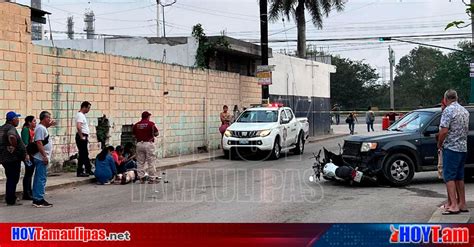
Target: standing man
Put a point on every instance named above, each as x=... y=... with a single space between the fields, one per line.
x=41 y=159
x=392 y=116
x=337 y=113
x=12 y=153
x=82 y=141
x=454 y=128
x=145 y=132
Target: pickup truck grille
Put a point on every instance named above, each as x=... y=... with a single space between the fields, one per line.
x=351 y=148
x=244 y=134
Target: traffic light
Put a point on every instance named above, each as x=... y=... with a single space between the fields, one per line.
x=391 y=56
x=385 y=38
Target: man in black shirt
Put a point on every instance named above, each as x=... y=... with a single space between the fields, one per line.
x=12 y=153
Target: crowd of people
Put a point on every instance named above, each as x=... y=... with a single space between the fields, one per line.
x=33 y=147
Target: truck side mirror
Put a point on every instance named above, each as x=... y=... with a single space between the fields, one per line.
x=285 y=120
x=431 y=130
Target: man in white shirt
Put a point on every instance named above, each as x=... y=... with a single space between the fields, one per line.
x=82 y=141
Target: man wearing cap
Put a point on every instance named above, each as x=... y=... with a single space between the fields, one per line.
x=12 y=153
x=145 y=132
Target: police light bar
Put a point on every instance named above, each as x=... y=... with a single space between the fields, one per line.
x=275 y=105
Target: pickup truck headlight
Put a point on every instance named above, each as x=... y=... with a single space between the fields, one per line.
x=367 y=146
x=263 y=133
x=228 y=133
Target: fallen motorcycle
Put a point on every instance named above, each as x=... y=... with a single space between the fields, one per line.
x=334 y=167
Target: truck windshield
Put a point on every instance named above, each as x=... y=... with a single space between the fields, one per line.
x=412 y=122
x=258 y=117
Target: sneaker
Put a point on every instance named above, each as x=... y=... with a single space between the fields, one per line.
x=82 y=175
x=15 y=204
x=107 y=183
x=91 y=173
x=42 y=204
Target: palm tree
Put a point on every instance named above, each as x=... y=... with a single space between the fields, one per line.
x=296 y=8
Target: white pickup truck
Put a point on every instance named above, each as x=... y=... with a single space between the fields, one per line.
x=273 y=128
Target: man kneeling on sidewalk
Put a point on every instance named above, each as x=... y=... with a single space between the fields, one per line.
x=145 y=132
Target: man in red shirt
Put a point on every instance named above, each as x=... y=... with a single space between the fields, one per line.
x=145 y=132
x=391 y=116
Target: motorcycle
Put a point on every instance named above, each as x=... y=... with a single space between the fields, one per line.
x=334 y=168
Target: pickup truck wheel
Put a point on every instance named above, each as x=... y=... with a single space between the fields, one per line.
x=276 y=151
x=398 y=169
x=226 y=154
x=299 y=149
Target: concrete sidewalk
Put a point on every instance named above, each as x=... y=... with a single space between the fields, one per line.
x=463 y=218
x=62 y=180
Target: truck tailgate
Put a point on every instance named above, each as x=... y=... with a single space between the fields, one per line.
x=304 y=125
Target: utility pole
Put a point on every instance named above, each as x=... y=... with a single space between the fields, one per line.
x=264 y=44
x=158 y=18
x=391 y=59
x=164 y=22
x=471 y=67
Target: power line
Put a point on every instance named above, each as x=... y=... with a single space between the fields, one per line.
x=291 y=28
x=216 y=10
x=363 y=38
x=216 y=14
x=376 y=21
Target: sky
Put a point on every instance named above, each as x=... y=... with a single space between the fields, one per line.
x=240 y=19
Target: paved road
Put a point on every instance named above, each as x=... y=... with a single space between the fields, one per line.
x=241 y=191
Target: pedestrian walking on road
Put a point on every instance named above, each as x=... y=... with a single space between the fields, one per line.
x=337 y=113
x=351 y=120
x=145 y=132
x=82 y=141
x=41 y=159
x=27 y=136
x=452 y=140
x=12 y=153
x=370 y=119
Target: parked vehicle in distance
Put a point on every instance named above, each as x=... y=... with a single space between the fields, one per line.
x=272 y=128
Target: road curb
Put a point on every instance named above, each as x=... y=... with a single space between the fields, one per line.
x=438 y=217
x=57 y=186
x=334 y=136
x=187 y=163
x=92 y=179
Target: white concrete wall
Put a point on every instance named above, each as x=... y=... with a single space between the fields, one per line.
x=300 y=77
x=92 y=45
x=181 y=54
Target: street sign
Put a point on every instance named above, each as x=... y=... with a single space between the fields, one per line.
x=264 y=74
x=471 y=75
x=471 y=65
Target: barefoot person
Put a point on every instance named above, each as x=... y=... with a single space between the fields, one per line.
x=454 y=128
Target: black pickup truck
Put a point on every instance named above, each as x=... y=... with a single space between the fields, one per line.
x=408 y=146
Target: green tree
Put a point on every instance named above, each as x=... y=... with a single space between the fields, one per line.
x=296 y=9
x=354 y=85
x=207 y=48
x=415 y=77
x=453 y=73
x=425 y=74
